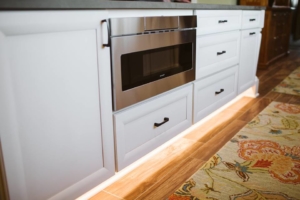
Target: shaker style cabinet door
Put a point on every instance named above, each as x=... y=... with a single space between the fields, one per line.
x=56 y=121
x=250 y=44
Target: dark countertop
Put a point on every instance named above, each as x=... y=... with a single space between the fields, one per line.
x=106 y=4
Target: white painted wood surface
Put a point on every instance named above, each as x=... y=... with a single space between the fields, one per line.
x=251 y=19
x=135 y=132
x=205 y=98
x=207 y=59
x=55 y=92
x=250 y=45
x=215 y=21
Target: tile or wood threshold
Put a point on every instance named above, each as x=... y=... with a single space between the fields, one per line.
x=162 y=174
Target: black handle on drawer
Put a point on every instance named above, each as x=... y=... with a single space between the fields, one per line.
x=108 y=33
x=253 y=33
x=222 y=90
x=166 y=119
x=220 y=53
x=251 y=20
x=223 y=21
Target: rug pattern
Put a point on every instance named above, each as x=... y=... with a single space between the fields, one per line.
x=262 y=161
x=291 y=84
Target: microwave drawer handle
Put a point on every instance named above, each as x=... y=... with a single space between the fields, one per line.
x=108 y=33
x=222 y=90
x=166 y=119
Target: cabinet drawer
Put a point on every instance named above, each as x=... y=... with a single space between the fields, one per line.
x=251 y=19
x=216 y=52
x=135 y=130
x=214 y=91
x=213 y=21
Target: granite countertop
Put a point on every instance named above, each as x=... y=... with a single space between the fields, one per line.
x=106 y=4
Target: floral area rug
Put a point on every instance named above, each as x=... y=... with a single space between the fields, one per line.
x=291 y=84
x=262 y=161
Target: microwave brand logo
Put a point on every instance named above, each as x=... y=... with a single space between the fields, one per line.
x=162 y=75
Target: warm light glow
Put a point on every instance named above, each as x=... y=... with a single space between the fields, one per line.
x=250 y=92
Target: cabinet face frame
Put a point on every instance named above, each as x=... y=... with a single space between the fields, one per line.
x=32 y=23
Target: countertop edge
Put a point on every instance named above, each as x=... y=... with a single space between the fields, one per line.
x=102 y=5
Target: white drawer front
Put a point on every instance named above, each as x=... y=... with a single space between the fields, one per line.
x=251 y=19
x=216 y=52
x=213 y=92
x=213 y=21
x=135 y=132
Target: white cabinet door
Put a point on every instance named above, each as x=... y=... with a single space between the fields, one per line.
x=250 y=45
x=55 y=92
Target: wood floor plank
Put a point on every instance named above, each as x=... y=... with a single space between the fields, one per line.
x=243 y=104
x=207 y=150
x=264 y=75
x=272 y=95
x=104 y=195
x=214 y=125
x=255 y=109
x=284 y=98
x=266 y=87
x=159 y=166
x=295 y=100
x=168 y=185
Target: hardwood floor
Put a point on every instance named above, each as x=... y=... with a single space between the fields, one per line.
x=162 y=174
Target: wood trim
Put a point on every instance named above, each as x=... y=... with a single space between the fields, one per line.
x=3 y=182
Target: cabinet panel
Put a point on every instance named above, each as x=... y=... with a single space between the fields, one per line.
x=216 y=52
x=214 y=21
x=251 y=19
x=213 y=92
x=53 y=138
x=250 y=43
x=135 y=130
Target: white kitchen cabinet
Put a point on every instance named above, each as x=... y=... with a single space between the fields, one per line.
x=212 y=92
x=56 y=114
x=249 y=50
x=250 y=43
x=142 y=128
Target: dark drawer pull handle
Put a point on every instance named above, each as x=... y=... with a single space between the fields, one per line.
x=166 y=119
x=251 y=20
x=220 y=53
x=222 y=90
x=222 y=21
x=108 y=32
x=253 y=33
